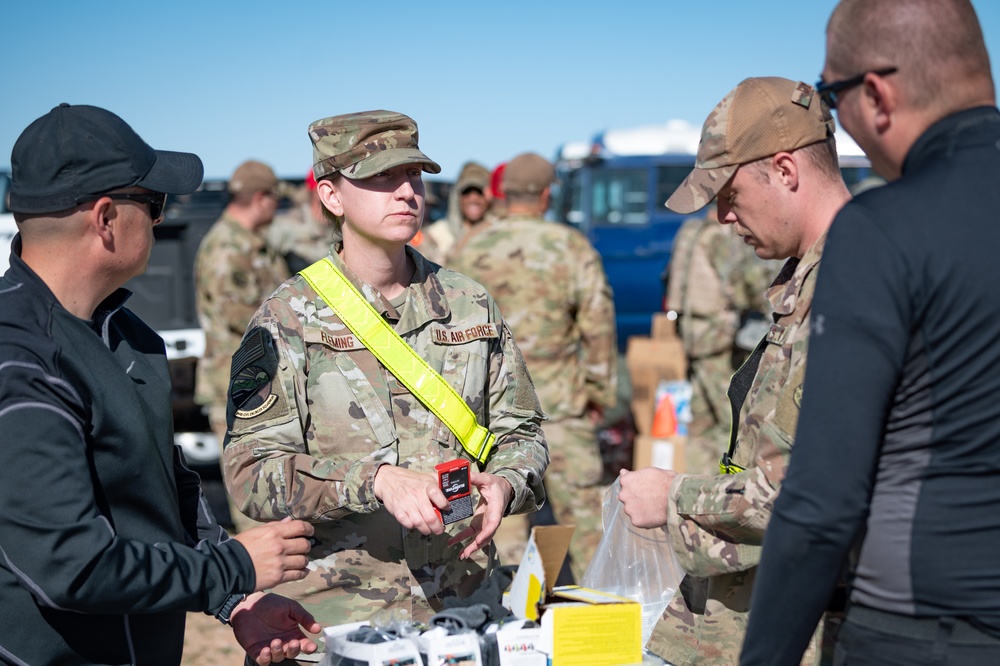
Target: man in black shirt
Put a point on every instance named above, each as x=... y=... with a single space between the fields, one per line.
x=898 y=442
x=105 y=540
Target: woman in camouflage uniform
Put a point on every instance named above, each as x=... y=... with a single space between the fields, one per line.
x=320 y=430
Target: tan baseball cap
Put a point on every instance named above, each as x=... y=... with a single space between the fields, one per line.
x=758 y=118
x=253 y=176
x=360 y=145
x=528 y=173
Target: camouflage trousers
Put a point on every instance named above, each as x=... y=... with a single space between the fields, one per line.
x=573 y=485
x=217 y=421
x=574 y=489
x=711 y=415
x=706 y=621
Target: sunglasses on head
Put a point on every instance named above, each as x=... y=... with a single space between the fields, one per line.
x=830 y=92
x=156 y=200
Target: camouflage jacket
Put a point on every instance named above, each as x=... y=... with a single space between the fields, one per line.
x=234 y=271
x=297 y=232
x=717 y=522
x=314 y=415
x=714 y=279
x=550 y=285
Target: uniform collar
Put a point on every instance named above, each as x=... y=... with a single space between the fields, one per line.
x=784 y=291
x=426 y=299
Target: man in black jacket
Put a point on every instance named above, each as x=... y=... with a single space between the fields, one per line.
x=898 y=442
x=105 y=539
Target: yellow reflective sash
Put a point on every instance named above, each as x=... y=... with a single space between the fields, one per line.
x=399 y=358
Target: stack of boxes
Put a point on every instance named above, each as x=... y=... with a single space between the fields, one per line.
x=652 y=362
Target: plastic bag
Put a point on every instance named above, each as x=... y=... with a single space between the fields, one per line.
x=632 y=562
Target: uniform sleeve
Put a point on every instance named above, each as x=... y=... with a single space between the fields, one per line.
x=520 y=454
x=717 y=522
x=268 y=469
x=861 y=316
x=58 y=544
x=595 y=319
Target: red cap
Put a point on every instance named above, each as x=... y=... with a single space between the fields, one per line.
x=496 y=181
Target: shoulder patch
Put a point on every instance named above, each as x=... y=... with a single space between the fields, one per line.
x=345 y=342
x=252 y=374
x=457 y=335
x=797 y=396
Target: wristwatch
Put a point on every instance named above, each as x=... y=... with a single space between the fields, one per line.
x=227 y=609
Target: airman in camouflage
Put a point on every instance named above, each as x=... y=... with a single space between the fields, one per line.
x=317 y=421
x=768 y=153
x=234 y=271
x=716 y=282
x=551 y=287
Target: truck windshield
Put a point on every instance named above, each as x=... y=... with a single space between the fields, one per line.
x=619 y=196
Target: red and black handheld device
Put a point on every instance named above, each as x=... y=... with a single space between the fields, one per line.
x=453 y=479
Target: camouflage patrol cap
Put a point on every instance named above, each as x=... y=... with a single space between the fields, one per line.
x=253 y=176
x=360 y=145
x=528 y=173
x=475 y=175
x=758 y=118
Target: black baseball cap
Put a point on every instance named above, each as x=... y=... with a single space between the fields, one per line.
x=79 y=150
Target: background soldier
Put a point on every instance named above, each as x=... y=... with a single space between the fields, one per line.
x=551 y=287
x=468 y=204
x=235 y=269
x=767 y=152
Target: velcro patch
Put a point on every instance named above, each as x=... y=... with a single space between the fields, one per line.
x=345 y=342
x=802 y=95
x=251 y=390
x=457 y=335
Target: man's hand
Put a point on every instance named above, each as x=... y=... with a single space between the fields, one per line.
x=278 y=551
x=495 y=493
x=270 y=628
x=411 y=497
x=644 y=494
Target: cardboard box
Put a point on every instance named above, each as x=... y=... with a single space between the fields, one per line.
x=583 y=627
x=538 y=570
x=649 y=361
x=664 y=327
x=579 y=626
x=665 y=453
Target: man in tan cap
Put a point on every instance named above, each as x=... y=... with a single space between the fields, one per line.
x=767 y=153
x=550 y=284
x=235 y=269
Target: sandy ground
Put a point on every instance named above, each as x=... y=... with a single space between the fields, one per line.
x=208 y=642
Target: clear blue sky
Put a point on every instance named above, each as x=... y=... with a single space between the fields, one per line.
x=232 y=81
